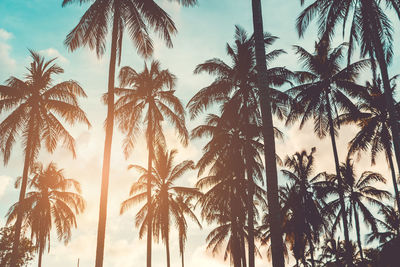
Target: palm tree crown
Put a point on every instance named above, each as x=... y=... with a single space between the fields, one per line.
x=49 y=203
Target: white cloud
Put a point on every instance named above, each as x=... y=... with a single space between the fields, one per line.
x=4 y=181
x=5 y=35
x=52 y=52
x=7 y=63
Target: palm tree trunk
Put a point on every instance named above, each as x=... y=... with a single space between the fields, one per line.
x=243 y=249
x=311 y=244
x=394 y=180
x=250 y=219
x=393 y=117
x=22 y=192
x=167 y=250
x=107 y=146
x=269 y=141
x=349 y=260
x=183 y=257
x=357 y=221
x=149 y=170
x=40 y=256
x=235 y=250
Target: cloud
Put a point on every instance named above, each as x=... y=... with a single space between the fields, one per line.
x=4 y=181
x=7 y=63
x=52 y=52
x=5 y=35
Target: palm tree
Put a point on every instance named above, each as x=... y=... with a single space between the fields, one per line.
x=235 y=87
x=306 y=208
x=358 y=192
x=322 y=93
x=269 y=141
x=389 y=226
x=233 y=154
x=49 y=203
x=137 y=17
x=373 y=121
x=145 y=101
x=369 y=26
x=36 y=106
x=165 y=207
x=185 y=202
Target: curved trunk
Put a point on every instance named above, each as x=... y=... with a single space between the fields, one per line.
x=393 y=121
x=349 y=260
x=269 y=141
x=107 y=146
x=22 y=192
x=357 y=221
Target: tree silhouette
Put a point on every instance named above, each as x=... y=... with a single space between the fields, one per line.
x=36 y=106
x=145 y=100
x=137 y=17
x=165 y=207
x=373 y=121
x=49 y=203
x=323 y=91
x=357 y=192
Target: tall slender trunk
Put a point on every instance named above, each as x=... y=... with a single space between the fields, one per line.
x=250 y=219
x=167 y=249
x=235 y=250
x=357 y=221
x=183 y=257
x=105 y=175
x=243 y=249
x=311 y=244
x=150 y=147
x=394 y=179
x=22 y=192
x=393 y=116
x=349 y=260
x=40 y=256
x=269 y=141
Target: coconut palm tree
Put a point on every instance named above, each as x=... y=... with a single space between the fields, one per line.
x=357 y=192
x=143 y=99
x=37 y=105
x=233 y=154
x=187 y=207
x=235 y=87
x=269 y=141
x=322 y=93
x=389 y=226
x=165 y=207
x=371 y=28
x=373 y=121
x=49 y=203
x=308 y=220
x=137 y=17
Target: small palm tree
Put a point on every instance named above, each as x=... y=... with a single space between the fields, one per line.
x=143 y=99
x=324 y=90
x=50 y=202
x=305 y=206
x=357 y=192
x=187 y=207
x=136 y=17
x=166 y=206
x=36 y=106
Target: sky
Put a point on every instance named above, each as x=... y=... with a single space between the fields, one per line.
x=204 y=30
